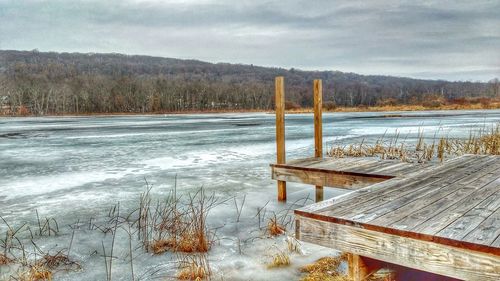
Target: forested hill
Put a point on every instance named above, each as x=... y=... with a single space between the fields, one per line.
x=33 y=82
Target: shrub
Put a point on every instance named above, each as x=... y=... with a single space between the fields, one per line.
x=291 y=105
x=329 y=105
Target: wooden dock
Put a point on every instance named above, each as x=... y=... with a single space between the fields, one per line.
x=444 y=219
x=441 y=218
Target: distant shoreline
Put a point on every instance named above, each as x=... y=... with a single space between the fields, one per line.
x=396 y=108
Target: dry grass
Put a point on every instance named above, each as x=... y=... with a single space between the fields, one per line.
x=57 y=261
x=326 y=268
x=484 y=142
x=4 y=260
x=280 y=259
x=492 y=104
x=34 y=273
x=174 y=224
x=187 y=243
x=161 y=246
x=274 y=228
x=322 y=276
x=293 y=245
x=194 y=267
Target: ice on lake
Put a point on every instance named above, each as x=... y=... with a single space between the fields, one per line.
x=75 y=168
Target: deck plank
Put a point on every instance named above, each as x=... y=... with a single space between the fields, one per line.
x=487 y=232
x=391 y=191
x=438 y=222
x=438 y=200
x=474 y=217
x=364 y=194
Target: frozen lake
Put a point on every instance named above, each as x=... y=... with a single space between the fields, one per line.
x=75 y=167
x=63 y=161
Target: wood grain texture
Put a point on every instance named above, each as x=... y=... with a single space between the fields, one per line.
x=280 y=120
x=280 y=131
x=318 y=122
x=315 y=177
x=364 y=194
x=422 y=255
x=444 y=219
x=357 y=269
x=318 y=129
x=392 y=194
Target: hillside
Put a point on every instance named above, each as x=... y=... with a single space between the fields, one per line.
x=33 y=82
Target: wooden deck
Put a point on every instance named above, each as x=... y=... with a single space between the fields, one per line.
x=442 y=218
x=349 y=173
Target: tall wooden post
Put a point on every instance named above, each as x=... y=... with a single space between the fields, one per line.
x=318 y=129
x=280 y=131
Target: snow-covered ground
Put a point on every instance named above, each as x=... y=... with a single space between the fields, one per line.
x=76 y=168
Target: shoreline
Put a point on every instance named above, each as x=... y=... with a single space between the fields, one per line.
x=402 y=108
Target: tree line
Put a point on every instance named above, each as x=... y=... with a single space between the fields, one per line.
x=37 y=83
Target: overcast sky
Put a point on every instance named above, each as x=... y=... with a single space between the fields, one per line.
x=454 y=40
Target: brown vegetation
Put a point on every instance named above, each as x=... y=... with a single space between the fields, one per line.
x=57 y=261
x=4 y=260
x=279 y=259
x=274 y=228
x=485 y=141
x=325 y=269
x=471 y=104
x=195 y=267
x=34 y=273
x=173 y=225
x=170 y=224
x=329 y=269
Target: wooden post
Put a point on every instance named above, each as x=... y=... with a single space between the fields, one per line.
x=318 y=129
x=359 y=268
x=280 y=131
x=358 y=271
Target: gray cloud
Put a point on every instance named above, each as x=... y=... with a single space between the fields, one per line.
x=457 y=40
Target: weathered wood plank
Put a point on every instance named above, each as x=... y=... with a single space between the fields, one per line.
x=474 y=217
x=437 y=222
x=423 y=255
x=347 y=180
x=487 y=232
x=362 y=194
x=394 y=190
x=384 y=211
x=421 y=208
x=377 y=167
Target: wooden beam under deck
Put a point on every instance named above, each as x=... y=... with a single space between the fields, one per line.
x=427 y=256
x=347 y=173
x=319 y=177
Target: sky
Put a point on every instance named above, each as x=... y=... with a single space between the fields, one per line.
x=452 y=40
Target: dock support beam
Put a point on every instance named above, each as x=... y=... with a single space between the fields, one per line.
x=280 y=131
x=359 y=268
x=318 y=129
